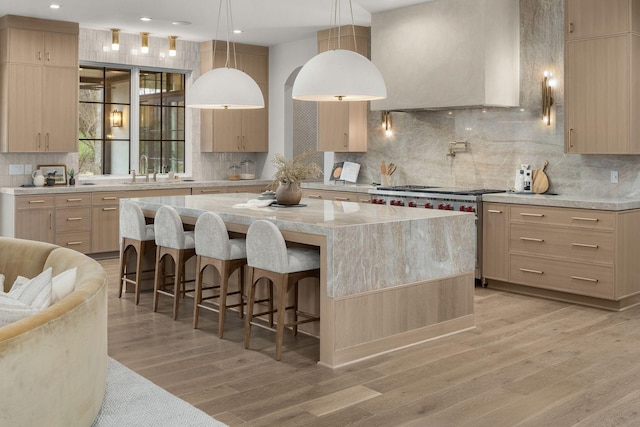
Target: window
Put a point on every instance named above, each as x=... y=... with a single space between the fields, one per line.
x=119 y=126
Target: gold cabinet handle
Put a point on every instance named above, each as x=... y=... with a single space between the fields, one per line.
x=50 y=220
x=531 y=214
x=74 y=200
x=585 y=245
x=531 y=239
x=346 y=139
x=48 y=56
x=314 y=196
x=586 y=279
x=526 y=270
x=46 y=142
x=570 y=27
x=341 y=199
x=36 y=201
x=74 y=219
x=494 y=211
x=579 y=218
x=364 y=200
x=571 y=138
x=109 y=198
x=39 y=55
x=73 y=243
x=109 y=209
x=209 y=191
x=38 y=141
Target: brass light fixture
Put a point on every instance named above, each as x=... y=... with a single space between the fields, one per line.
x=115 y=39
x=172 y=45
x=386 y=123
x=144 y=42
x=116 y=118
x=547 y=96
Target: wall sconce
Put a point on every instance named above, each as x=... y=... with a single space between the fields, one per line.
x=547 y=97
x=144 y=42
x=115 y=39
x=116 y=119
x=386 y=123
x=172 y=45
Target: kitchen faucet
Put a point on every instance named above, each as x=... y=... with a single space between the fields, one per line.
x=144 y=158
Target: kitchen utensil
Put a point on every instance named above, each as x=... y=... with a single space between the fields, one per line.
x=391 y=169
x=541 y=181
x=383 y=168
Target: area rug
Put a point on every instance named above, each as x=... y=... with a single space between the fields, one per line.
x=132 y=400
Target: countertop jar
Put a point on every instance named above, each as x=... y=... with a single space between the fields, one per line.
x=234 y=173
x=247 y=169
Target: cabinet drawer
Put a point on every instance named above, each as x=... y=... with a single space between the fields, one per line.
x=73 y=219
x=106 y=198
x=209 y=190
x=583 y=218
x=71 y=200
x=34 y=202
x=77 y=240
x=577 y=278
x=582 y=245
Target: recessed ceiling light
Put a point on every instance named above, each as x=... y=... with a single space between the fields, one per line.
x=181 y=23
x=54 y=6
x=237 y=31
x=145 y=19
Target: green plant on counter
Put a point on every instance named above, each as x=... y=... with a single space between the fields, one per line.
x=71 y=173
x=296 y=170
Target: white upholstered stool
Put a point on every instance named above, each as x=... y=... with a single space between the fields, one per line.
x=268 y=257
x=137 y=235
x=171 y=241
x=215 y=248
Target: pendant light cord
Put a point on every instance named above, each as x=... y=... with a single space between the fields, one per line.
x=335 y=31
x=229 y=22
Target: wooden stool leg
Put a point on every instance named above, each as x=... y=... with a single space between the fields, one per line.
x=224 y=285
x=243 y=300
x=122 y=265
x=249 y=315
x=156 y=280
x=282 y=308
x=177 y=283
x=138 y=249
x=295 y=309
x=270 y=303
x=198 y=296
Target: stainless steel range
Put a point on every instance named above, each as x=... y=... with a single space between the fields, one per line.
x=444 y=198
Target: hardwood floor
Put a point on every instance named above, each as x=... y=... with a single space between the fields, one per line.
x=529 y=362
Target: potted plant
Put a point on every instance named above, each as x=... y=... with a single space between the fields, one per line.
x=72 y=176
x=290 y=173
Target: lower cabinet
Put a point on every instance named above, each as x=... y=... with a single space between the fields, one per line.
x=338 y=196
x=582 y=255
x=34 y=218
x=105 y=219
x=73 y=221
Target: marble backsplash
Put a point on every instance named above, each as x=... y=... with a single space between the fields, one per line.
x=500 y=139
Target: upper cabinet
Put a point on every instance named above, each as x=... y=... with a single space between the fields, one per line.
x=602 y=80
x=448 y=53
x=38 y=85
x=236 y=130
x=342 y=126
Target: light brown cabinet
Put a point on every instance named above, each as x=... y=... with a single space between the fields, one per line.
x=73 y=221
x=342 y=126
x=602 y=77
x=338 y=196
x=236 y=130
x=580 y=255
x=39 y=85
x=105 y=222
x=34 y=218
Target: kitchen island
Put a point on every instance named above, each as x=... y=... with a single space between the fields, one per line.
x=391 y=277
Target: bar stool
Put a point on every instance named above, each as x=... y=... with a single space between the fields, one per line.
x=136 y=235
x=215 y=248
x=171 y=241
x=268 y=257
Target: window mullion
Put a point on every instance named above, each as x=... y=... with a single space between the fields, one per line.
x=135 y=120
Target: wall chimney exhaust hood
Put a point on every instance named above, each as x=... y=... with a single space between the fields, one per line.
x=447 y=54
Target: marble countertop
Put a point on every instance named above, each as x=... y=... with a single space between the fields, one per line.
x=368 y=246
x=112 y=185
x=567 y=201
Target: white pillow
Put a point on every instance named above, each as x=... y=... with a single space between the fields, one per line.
x=63 y=284
x=12 y=310
x=35 y=293
x=1 y=282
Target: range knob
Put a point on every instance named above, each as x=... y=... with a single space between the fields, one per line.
x=441 y=206
x=471 y=209
x=428 y=206
x=449 y=207
x=412 y=204
x=463 y=208
x=400 y=203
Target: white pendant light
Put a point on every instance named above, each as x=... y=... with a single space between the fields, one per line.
x=225 y=87
x=339 y=75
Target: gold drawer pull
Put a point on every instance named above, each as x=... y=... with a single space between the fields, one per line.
x=36 y=201
x=109 y=198
x=493 y=211
x=531 y=239
x=73 y=243
x=341 y=199
x=526 y=270
x=579 y=218
x=585 y=245
x=586 y=279
x=209 y=191
x=74 y=200
x=74 y=219
x=365 y=200
x=109 y=209
x=314 y=196
x=531 y=214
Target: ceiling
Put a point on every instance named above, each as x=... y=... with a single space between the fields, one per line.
x=264 y=22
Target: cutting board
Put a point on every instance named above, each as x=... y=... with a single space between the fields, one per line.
x=540 y=180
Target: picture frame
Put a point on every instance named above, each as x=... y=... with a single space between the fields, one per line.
x=60 y=170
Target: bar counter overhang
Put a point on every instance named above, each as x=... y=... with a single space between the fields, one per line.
x=391 y=277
